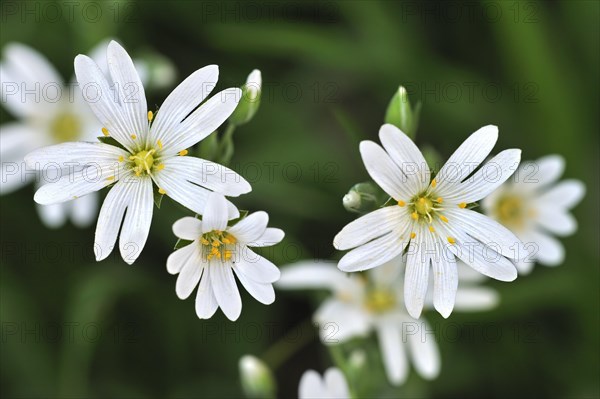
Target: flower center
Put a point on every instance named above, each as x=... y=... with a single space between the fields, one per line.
x=379 y=300
x=423 y=206
x=65 y=127
x=143 y=161
x=217 y=244
x=511 y=211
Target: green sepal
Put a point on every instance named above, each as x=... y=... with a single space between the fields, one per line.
x=111 y=141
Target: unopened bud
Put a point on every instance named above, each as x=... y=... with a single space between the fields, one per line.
x=400 y=114
x=250 y=100
x=257 y=379
x=364 y=198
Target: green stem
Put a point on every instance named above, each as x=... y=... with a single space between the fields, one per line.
x=226 y=145
x=294 y=340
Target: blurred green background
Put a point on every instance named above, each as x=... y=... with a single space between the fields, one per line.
x=329 y=69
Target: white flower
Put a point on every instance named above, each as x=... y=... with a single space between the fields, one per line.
x=359 y=307
x=151 y=153
x=534 y=209
x=219 y=251
x=432 y=215
x=333 y=385
x=49 y=112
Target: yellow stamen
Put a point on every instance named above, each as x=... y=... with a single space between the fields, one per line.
x=215 y=251
x=433 y=183
x=431 y=229
x=121 y=158
x=159 y=144
x=133 y=136
x=110 y=178
x=160 y=167
x=462 y=205
x=227 y=255
x=444 y=218
x=204 y=241
x=150 y=116
x=439 y=200
x=412 y=235
x=183 y=153
x=216 y=244
x=414 y=215
x=401 y=203
x=162 y=191
x=451 y=240
x=105 y=131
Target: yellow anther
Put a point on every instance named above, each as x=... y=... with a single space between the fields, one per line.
x=227 y=255
x=110 y=178
x=133 y=136
x=216 y=244
x=433 y=183
x=183 y=153
x=421 y=200
x=462 y=205
x=162 y=191
x=215 y=251
x=121 y=158
x=150 y=116
x=431 y=229
x=439 y=200
x=444 y=218
x=204 y=241
x=160 y=166
x=401 y=203
x=451 y=240
x=413 y=235
x=105 y=131
x=159 y=144
x=209 y=257
x=414 y=215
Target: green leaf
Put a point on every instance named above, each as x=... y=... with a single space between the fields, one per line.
x=111 y=141
x=182 y=243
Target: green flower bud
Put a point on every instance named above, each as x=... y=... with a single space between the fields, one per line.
x=155 y=70
x=257 y=379
x=364 y=198
x=400 y=113
x=250 y=100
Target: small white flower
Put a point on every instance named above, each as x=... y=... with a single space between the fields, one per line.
x=153 y=153
x=431 y=218
x=49 y=112
x=359 y=307
x=534 y=209
x=219 y=251
x=332 y=385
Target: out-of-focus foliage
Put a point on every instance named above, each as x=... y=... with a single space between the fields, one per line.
x=74 y=327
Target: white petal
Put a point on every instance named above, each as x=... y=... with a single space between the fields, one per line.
x=466 y=158
x=54 y=215
x=373 y=253
x=488 y=231
x=548 y=250
x=470 y=299
x=262 y=292
x=445 y=283
x=372 y=225
x=389 y=271
x=489 y=177
x=533 y=175
x=187 y=194
x=407 y=156
x=384 y=171
x=340 y=321
x=103 y=102
x=525 y=266
x=311 y=386
x=179 y=258
x=416 y=278
x=225 y=289
x=270 y=237
x=16 y=140
x=336 y=383
x=189 y=276
x=188 y=228
x=183 y=100
x=13 y=176
x=203 y=121
x=138 y=218
x=210 y=175
x=110 y=218
x=84 y=210
x=256 y=267
x=215 y=213
x=250 y=228
x=565 y=194
x=75 y=155
x=129 y=89
x=393 y=352
x=311 y=275
x=206 y=303
x=556 y=220
x=424 y=352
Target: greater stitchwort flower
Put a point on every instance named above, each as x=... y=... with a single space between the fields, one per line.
x=332 y=385
x=144 y=150
x=431 y=217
